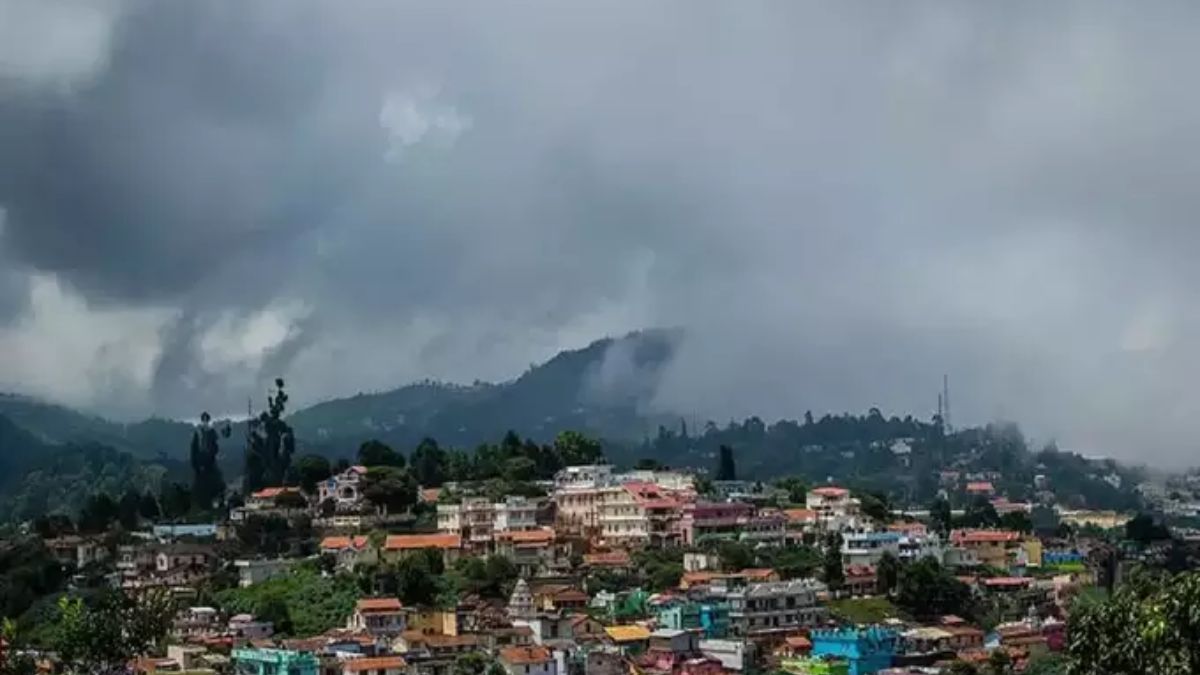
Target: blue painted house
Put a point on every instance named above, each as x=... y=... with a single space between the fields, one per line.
x=867 y=650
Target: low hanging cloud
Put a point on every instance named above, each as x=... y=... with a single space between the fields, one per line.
x=838 y=203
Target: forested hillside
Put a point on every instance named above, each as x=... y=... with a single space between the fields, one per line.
x=51 y=456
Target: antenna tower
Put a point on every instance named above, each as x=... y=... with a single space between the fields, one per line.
x=946 y=401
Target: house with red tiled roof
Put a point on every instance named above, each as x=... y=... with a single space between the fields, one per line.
x=609 y=560
x=374 y=665
x=994 y=548
x=350 y=551
x=267 y=499
x=397 y=546
x=981 y=488
x=527 y=660
x=378 y=617
x=641 y=514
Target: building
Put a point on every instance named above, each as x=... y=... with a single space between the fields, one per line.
x=527 y=660
x=709 y=521
x=860 y=580
x=350 y=552
x=274 y=662
x=267 y=499
x=866 y=651
x=378 y=617
x=183 y=556
x=640 y=514
x=252 y=572
x=344 y=490
x=834 y=507
x=867 y=548
x=398 y=546
x=520 y=604
x=532 y=552
x=772 y=607
x=374 y=665
x=994 y=548
x=246 y=627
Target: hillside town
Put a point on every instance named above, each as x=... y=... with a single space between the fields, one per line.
x=606 y=572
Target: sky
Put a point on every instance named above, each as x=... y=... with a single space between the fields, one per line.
x=838 y=201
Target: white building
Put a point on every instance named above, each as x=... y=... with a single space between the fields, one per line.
x=478 y=520
x=835 y=509
x=866 y=548
x=775 y=606
x=246 y=627
x=378 y=617
x=344 y=489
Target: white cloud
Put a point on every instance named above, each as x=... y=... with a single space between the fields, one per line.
x=414 y=117
x=56 y=43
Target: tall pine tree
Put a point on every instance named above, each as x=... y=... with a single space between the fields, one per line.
x=208 y=485
x=271 y=444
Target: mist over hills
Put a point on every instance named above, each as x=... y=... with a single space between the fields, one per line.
x=606 y=389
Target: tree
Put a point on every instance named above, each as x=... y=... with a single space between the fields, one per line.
x=127 y=509
x=417 y=577
x=887 y=573
x=962 y=668
x=102 y=637
x=53 y=525
x=1017 y=521
x=473 y=663
x=832 y=571
x=429 y=463
x=575 y=449
x=940 y=517
x=1144 y=530
x=926 y=589
x=98 y=514
x=176 y=501
x=148 y=507
x=999 y=662
x=208 y=485
x=13 y=661
x=311 y=470
x=980 y=513
x=390 y=488
x=726 y=470
x=875 y=507
x=271 y=444
x=735 y=555
x=376 y=453
x=795 y=487
x=648 y=464
x=1149 y=625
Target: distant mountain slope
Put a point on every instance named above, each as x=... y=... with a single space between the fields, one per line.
x=38 y=477
x=602 y=389
x=56 y=424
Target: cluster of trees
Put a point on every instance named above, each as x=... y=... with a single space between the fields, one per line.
x=302 y=602
x=422 y=578
x=979 y=513
x=271 y=444
x=1149 y=625
x=899 y=458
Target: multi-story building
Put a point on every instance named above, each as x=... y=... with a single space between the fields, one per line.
x=378 y=617
x=641 y=514
x=478 y=520
x=349 y=551
x=778 y=606
x=867 y=548
x=581 y=493
x=834 y=507
x=274 y=662
x=708 y=521
x=344 y=489
x=994 y=548
x=532 y=552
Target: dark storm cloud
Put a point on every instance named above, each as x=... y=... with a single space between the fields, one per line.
x=839 y=202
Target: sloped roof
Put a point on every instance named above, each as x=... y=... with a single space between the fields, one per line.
x=408 y=542
x=627 y=633
x=518 y=656
x=338 y=543
x=374 y=663
x=379 y=605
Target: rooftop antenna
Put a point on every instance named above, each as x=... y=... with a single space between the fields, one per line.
x=946 y=401
x=940 y=416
